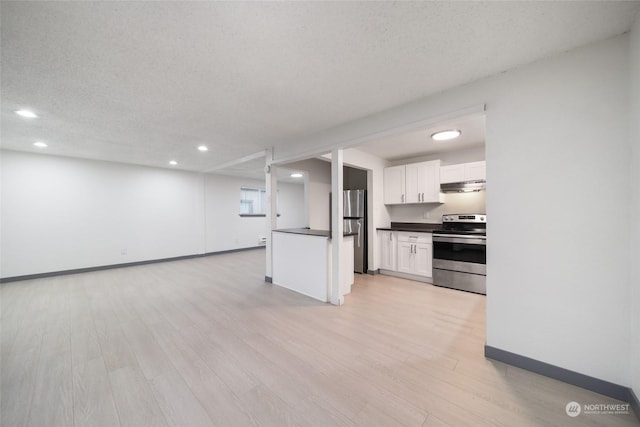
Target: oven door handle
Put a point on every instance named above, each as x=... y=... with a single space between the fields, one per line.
x=458 y=238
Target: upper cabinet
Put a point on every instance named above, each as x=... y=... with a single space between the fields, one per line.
x=414 y=183
x=474 y=171
x=394 y=185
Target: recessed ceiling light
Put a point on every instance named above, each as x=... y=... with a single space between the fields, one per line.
x=446 y=135
x=27 y=114
x=173 y=162
x=203 y=148
x=40 y=144
x=296 y=175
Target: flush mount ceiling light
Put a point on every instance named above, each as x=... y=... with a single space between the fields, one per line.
x=40 y=144
x=446 y=135
x=173 y=162
x=26 y=113
x=296 y=175
x=203 y=148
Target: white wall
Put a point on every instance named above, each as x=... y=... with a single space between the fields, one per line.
x=291 y=206
x=558 y=281
x=474 y=154
x=454 y=203
x=60 y=213
x=635 y=205
x=226 y=229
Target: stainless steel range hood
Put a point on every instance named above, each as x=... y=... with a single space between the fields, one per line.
x=463 y=187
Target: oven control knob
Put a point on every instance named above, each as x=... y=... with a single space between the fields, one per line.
x=481 y=218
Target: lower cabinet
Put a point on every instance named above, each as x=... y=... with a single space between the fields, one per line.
x=388 y=250
x=408 y=253
x=423 y=257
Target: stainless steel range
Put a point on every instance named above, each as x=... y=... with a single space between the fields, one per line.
x=460 y=253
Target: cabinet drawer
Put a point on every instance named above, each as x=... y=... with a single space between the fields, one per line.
x=418 y=237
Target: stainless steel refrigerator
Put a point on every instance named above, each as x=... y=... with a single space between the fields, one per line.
x=355 y=221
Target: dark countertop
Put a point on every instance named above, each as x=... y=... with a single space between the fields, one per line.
x=311 y=232
x=415 y=227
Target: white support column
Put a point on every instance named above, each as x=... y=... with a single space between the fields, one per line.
x=337 y=225
x=271 y=190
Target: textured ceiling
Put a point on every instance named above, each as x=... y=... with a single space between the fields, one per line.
x=146 y=82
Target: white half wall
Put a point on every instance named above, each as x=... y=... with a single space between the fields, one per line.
x=635 y=206
x=557 y=151
x=60 y=214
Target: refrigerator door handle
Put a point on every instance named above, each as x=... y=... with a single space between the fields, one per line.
x=359 y=233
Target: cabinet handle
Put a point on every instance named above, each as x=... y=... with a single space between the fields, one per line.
x=423 y=197
x=390 y=236
x=402 y=199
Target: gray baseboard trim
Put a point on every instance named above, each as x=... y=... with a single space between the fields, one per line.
x=123 y=265
x=585 y=381
x=268 y=279
x=373 y=272
x=231 y=251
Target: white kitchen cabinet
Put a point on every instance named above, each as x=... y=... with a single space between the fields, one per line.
x=415 y=251
x=405 y=257
x=423 y=256
x=452 y=173
x=473 y=171
x=388 y=250
x=414 y=183
x=394 y=185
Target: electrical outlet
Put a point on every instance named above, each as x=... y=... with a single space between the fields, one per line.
x=426 y=215
x=123 y=251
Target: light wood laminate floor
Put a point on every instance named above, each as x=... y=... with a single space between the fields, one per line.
x=205 y=342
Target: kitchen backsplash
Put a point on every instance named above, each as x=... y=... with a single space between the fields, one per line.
x=453 y=203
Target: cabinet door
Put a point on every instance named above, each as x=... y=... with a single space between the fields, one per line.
x=475 y=171
x=388 y=246
x=405 y=257
x=394 y=185
x=423 y=259
x=413 y=178
x=429 y=181
x=453 y=173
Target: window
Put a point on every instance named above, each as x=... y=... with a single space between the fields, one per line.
x=253 y=202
